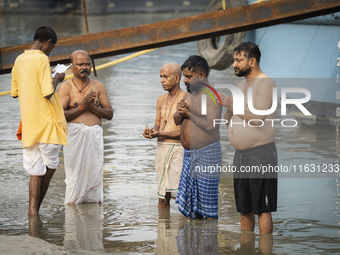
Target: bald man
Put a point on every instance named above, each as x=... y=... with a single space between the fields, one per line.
x=85 y=104
x=169 y=152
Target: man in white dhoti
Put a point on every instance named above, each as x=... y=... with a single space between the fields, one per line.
x=169 y=152
x=85 y=103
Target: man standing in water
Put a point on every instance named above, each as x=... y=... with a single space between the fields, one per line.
x=85 y=104
x=44 y=127
x=169 y=152
x=253 y=139
x=198 y=187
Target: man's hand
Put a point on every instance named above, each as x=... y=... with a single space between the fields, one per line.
x=184 y=112
x=183 y=109
x=181 y=104
x=154 y=134
x=146 y=133
x=227 y=101
x=89 y=100
x=59 y=77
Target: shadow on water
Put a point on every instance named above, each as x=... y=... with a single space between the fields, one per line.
x=129 y=221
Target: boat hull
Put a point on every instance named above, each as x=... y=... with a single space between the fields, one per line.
x=305 y=54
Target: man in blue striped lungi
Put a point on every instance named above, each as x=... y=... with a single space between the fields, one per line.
x=198 y=187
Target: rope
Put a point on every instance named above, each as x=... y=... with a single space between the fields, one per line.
x=5 y=93
x=115 y=62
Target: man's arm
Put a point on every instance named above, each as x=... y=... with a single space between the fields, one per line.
x=170 y=135
x=178 y=119
x=105 y=111
x=206 y=122
x=227 y=116
x=155 y=131
x=148 y=131
x=262 y=100
x=14 y=84
x=59 y=77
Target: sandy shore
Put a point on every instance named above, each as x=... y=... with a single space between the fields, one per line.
x=29 y=245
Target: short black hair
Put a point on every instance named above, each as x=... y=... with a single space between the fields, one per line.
x=251 y=50
x=196 y=64
x=44 y=34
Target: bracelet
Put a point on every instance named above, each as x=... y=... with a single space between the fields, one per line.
x=179 y=115
x=81 y=107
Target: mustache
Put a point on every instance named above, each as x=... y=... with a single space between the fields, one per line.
x=84 y=71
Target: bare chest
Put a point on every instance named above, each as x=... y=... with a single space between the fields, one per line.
x=77 y=97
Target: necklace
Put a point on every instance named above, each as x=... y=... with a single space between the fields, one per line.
x=166 y=119
x=81 y=91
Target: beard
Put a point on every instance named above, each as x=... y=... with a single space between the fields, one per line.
x=193 y=88
x=188 y=87
x=242 y=73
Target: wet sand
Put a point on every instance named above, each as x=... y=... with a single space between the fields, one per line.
x=25 y=245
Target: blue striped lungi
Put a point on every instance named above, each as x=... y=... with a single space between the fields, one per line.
x=198 y=185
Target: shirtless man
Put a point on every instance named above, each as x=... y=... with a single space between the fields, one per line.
x=85 y=104
x=169 y=152
x=198 y=190
x=254 y=142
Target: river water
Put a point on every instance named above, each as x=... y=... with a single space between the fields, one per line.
x=308 y=216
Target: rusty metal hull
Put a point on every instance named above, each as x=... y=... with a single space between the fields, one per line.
x=181 y=30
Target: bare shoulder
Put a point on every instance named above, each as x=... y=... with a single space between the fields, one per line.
x=182 y=94
x=242 y=84
x=266 y=82
x=97 y=84
x=65 y=86
x=162 y=98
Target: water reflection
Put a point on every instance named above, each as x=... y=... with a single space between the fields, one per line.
x=247 y=244
x=84 y=226
x=198 y=237
x=35 y=227
x=167 y=231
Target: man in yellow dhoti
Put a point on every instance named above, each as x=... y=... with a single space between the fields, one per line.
x=169 y=152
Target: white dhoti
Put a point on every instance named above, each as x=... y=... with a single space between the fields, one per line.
x=83 y=161
x=39 y=156
x=168 y=165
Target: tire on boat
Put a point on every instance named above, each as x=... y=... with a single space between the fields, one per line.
x=220 y=54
